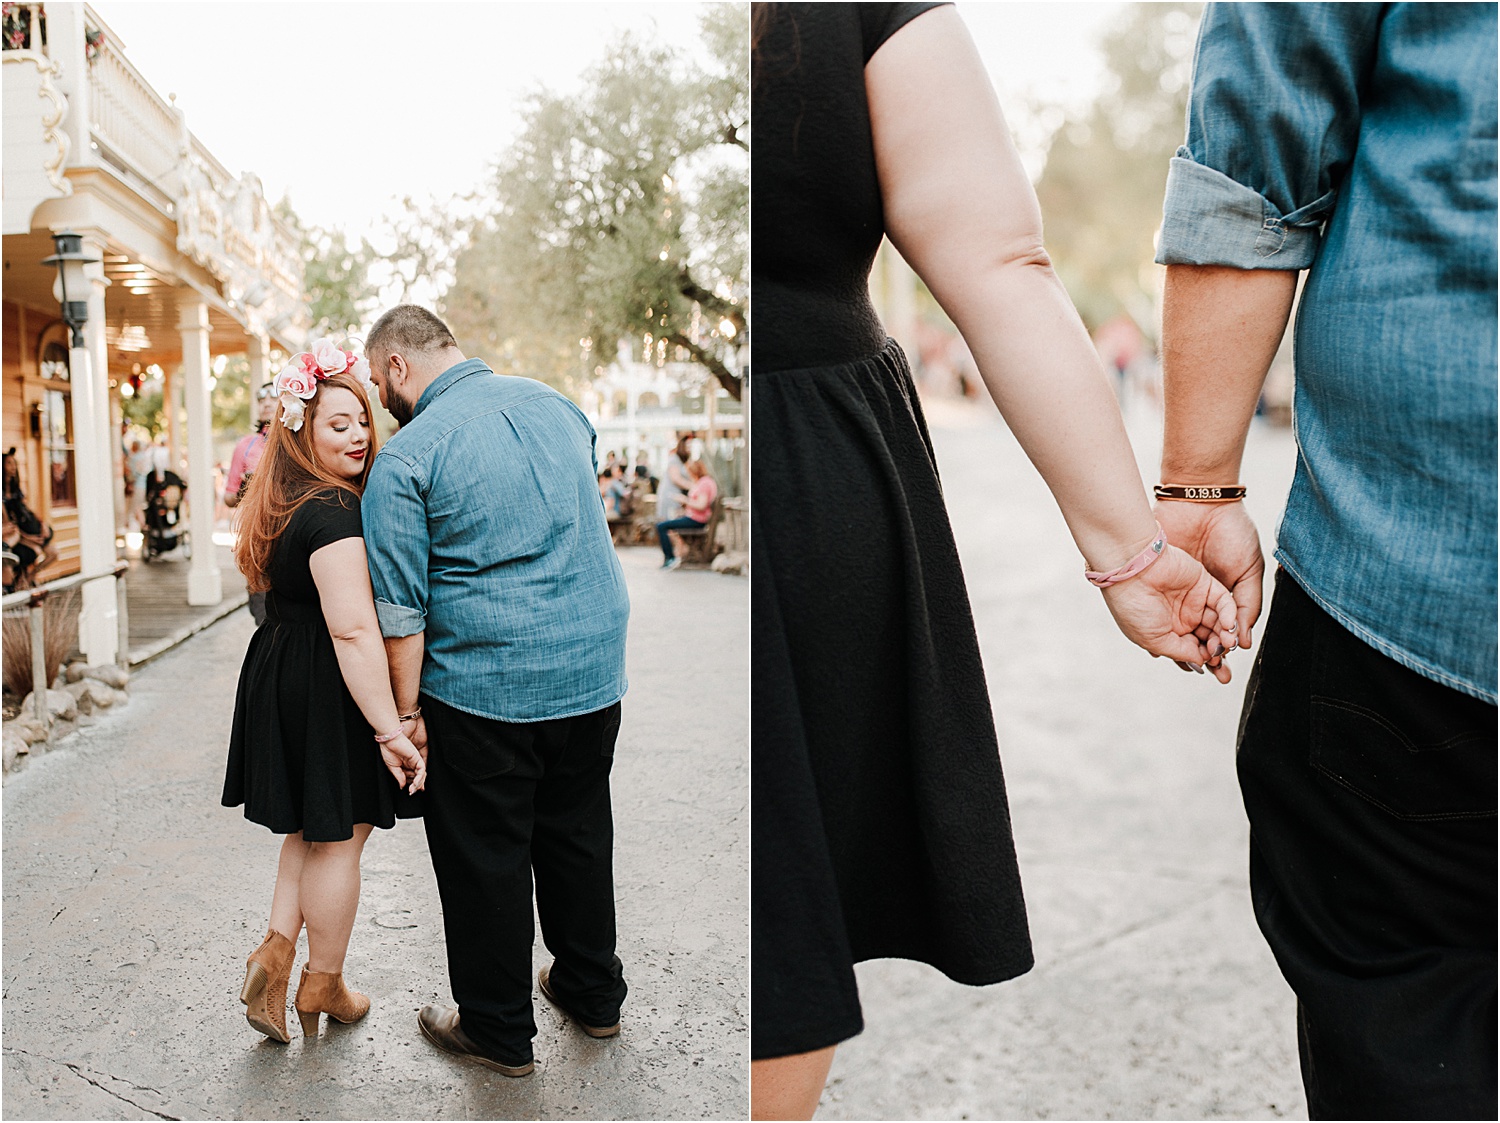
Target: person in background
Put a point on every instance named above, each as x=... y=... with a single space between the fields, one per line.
x=676 y=482
x=643 y=471
x=27 y=538
x=139 y=464
x=620 y=496
x=698 y=508
x=247 y=454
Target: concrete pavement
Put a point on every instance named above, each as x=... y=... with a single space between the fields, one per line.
x=131 y=899
x=1153 y=995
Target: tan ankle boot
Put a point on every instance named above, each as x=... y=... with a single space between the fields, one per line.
x=321 y=992
x=267 y=972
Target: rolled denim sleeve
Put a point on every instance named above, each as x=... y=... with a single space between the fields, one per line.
x=395 y=524
x=1273 y=122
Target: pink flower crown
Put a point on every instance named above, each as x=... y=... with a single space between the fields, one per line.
x=298 y=380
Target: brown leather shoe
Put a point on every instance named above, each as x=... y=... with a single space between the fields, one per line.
x=543 y=978
x=324 y=991
x=439 y=1024
x=267 y=971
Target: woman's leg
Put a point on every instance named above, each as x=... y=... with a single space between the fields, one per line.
x=789 y=1087
x=286 y=908
x=329 y=897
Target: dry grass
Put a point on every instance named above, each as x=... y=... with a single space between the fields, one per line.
x=60 y=638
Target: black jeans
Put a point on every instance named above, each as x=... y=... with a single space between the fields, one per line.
x=504 y=799
x=1371 y=796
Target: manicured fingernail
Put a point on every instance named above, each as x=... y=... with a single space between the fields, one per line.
x=1197 y=667
x=1218 y=649
x=1234 y=627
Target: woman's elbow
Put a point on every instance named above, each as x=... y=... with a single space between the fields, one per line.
x=351 y=634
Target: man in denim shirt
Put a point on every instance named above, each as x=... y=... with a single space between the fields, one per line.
x=502 y=600
x=1356 y=141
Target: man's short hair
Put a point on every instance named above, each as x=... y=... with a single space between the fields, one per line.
x=408 y=328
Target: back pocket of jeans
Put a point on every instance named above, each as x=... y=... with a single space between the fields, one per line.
x=473 y=747
x=476 y=761
x=1408 y=777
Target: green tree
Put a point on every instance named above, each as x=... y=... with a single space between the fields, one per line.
x=1101 y=190
x=336 y=276
x=144 y=408
x=620 y=218
x=230 y=399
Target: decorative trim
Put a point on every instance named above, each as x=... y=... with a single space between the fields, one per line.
x=48 y=69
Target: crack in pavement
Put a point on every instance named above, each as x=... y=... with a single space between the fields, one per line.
x=77 y=1070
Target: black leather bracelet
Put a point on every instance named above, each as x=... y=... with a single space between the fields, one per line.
x=1195 y=494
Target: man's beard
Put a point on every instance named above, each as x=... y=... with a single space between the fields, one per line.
x=397 y=406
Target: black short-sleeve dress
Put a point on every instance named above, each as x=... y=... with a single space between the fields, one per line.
x=880 y=824
x=301 y=755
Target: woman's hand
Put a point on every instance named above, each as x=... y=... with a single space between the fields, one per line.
x=1176 y=609
x=404 y=762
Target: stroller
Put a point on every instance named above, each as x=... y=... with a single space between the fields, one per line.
x=164 y=530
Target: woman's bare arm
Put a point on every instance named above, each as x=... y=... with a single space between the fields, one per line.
x=342 y=576
x=959 y=207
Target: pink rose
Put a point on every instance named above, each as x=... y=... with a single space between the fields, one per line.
x=330 y=359
x=359 y=369
x=296 y=380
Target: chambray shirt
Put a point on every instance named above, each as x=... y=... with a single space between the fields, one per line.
x=1358 y=141
x=484 y=529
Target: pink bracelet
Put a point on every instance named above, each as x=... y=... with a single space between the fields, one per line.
x=382 y=738
x=1134 y=566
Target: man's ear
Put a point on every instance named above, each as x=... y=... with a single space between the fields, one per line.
x=397 y=368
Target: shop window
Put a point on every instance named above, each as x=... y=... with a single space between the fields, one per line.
x=57 y=426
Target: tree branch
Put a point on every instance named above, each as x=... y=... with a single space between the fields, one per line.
x=726 y=377
x=715 y=303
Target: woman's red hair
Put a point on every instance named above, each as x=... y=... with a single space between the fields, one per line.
x=287 y=476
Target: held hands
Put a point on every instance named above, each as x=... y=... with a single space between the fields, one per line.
x=1175 y=608
x=419 y=736
x=1223 y=538
x=405 y=762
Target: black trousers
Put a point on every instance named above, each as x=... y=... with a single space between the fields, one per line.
x=1371 y=796
x=505 y=800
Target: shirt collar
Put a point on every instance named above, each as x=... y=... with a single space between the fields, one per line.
x=446 y=381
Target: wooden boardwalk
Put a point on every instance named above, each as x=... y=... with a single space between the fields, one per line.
x=156 y=597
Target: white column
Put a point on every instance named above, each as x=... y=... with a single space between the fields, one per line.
x=204 y=585
x=117 y=458
x=98 y=634
x=258 y=353
x=171 y=383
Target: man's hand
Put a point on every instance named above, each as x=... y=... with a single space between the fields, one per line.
x=1222 y=537
x=1176 y=609
x=419 y=737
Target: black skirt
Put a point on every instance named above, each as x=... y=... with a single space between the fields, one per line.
x=880 y=824
x=301 y=755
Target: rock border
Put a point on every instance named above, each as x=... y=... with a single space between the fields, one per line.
x=78 y=693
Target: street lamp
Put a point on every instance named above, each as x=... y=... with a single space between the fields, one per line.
x=71 y=260
x=98 y=635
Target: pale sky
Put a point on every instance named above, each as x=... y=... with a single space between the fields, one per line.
x=349 y=106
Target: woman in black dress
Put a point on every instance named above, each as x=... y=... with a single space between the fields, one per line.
x=880 y=826
x=318 y=751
